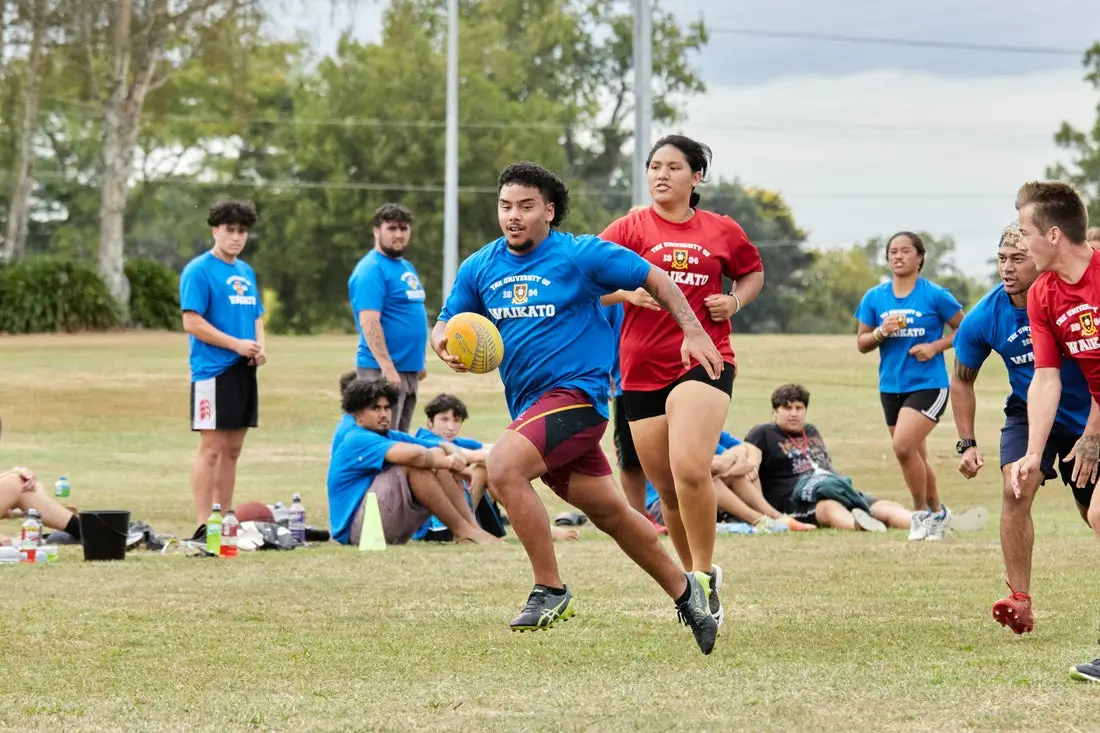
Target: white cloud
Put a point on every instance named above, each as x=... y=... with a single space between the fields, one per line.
x=868 y=154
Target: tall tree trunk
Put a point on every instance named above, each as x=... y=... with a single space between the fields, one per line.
x=19 y=207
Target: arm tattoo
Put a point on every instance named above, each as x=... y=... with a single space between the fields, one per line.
x=1090 y=447
x=376 y=342
x=965 y=373
x=673 y=301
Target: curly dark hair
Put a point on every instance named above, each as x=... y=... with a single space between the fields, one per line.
x=697 y=154
x=391 y=213
x=347 y=378
x=232 y=211
x=552 y=188
x=364 y=393
x=788 y=394
x=446 y=403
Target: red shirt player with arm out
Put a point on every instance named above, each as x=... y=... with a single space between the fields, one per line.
x=677 y=408
x=1063 y=307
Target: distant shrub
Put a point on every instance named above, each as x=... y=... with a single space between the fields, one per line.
x=49 y=294
x=154 y=295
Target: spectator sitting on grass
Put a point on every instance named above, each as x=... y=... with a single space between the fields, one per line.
x=446 y=415
x=411 y=479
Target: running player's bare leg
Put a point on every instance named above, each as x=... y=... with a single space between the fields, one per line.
x=651 y=441
x=931 y=486
x=607 y=509
x=908 y=436
x=1018 y=529
x=513 y=462
x=633 y=481
x=696 y=414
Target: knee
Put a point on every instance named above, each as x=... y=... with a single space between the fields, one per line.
x=906 y=450
x=1092 y=517
x=692 y=476
x=501 y=473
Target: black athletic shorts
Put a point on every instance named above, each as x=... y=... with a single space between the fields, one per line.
x=624 y=441
x=229 y=401
x=929 y=402
x=640 y=405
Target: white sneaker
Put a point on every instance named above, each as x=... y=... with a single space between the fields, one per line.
x=938 y=524
x=866 y=522
x=918 y=527
x=971 y=520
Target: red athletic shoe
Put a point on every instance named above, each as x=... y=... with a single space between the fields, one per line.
x=1015 y=612
x=661 y=529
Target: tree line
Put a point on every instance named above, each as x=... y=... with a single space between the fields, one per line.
x=124 y=119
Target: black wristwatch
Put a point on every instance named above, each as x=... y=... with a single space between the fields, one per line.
x=964 y=445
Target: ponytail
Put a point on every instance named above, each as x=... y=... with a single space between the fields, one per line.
x=693 y=202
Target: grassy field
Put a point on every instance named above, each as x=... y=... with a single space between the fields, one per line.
x=847 y=630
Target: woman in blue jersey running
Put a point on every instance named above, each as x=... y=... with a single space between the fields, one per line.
x=904 y=319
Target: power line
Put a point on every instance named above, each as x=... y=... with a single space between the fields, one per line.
x=895 y=41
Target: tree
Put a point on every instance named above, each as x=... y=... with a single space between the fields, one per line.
x=327 y=159
x=1084 y=146
x=835 y=282
x=770 y=225
x=37 y=16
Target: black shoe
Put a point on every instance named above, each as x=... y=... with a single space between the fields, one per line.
x=543 y=610
x=716 y=609
x=313 y=534
x=1089 y=672
x=200 y=534
x=695 y=612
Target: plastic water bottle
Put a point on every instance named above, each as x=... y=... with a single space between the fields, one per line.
x=214 y=531
x=229 y=534
x=30 y=537
x=61 y=488
x=733 y=528
x=280 y=514
x=298 y=519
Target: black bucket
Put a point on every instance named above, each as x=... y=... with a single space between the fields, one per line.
x=104 y=533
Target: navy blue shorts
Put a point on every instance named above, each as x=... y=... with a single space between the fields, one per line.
x=1059 y=444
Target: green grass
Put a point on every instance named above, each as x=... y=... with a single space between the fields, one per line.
x=847 y=630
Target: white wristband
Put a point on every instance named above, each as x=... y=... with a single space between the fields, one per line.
x=735 y=297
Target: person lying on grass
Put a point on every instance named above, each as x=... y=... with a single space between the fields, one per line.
x=19 y=489
x=412 y=480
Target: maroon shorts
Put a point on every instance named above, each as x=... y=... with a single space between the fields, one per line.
x=566 y=429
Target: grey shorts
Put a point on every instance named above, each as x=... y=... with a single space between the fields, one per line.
x=405 y=406
x=401 y=514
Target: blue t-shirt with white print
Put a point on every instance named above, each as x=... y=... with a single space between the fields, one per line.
x=926 y=310
x=995 y=324
x=546 y=305
x=226 y=295
x=391 y=287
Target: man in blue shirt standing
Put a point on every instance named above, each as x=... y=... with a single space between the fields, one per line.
x=387 y=300
x=541 y=288
x=999 y=322
x=223 y=314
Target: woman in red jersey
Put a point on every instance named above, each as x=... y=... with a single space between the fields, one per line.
x=676 y=409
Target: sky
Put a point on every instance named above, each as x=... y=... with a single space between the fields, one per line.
x=865 y=139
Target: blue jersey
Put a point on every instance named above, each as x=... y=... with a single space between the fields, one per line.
x=725 y=442
x=546 y=304
x=925 y=310
x=995 y=324
x=614 y=314
x=359 y=457
x=226 y=295
x=463 y=443
x=391 y=287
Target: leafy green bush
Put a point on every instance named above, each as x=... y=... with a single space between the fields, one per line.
x=154 y=295
x=45 y=294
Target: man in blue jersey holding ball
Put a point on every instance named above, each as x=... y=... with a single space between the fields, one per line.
x=541 y=288
x=223 y=315
x=999 y=322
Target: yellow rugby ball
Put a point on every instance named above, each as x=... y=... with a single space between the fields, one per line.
x=475 y=341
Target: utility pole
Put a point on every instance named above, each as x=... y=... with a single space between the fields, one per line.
x=643 y=97
x=450 y=190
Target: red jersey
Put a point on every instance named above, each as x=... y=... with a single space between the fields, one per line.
x=696 y=254
x=1065 y=322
